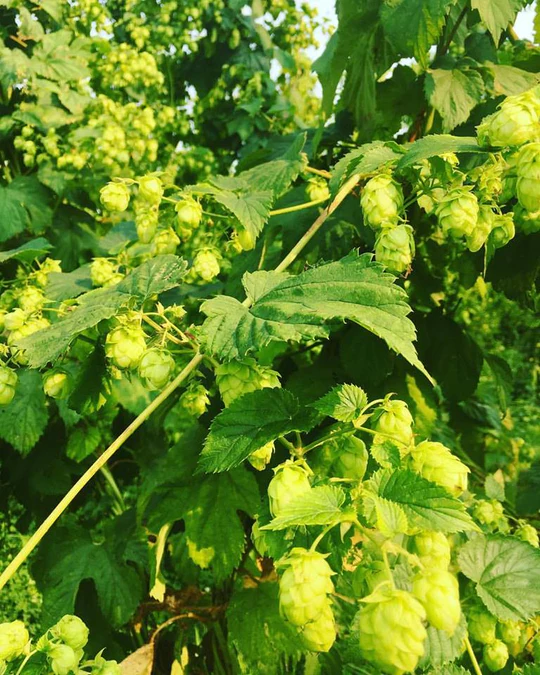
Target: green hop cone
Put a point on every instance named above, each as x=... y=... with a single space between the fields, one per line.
x=394 y=247
x=102 y=271
x=146 y=222
x=482 y=229
x=457 y=212
x=115 y=196
x=515 y=123
x=156 y=367
x=391 y=629
x=488 y=512
x=195 y=400
x=165 y=242
x=488 y=177
x=62 y=659
x=31 y=299
x=482 y=625
x=13 y=639
x=503 y=230
x=528 y=182
x=394 y=422
x=236 y=378
x=527 y=532
x=188 y=214
x=438 y=591
x=72 y=631
x=317 y=189
x=125 y=345
x=57 y=383
x=246 y=239
x=320 y=635
x=433 y=549
x=206 y=265
x=495 y=655
x=509 y=632
x=8 y=385
x=150 y=189
x=436 y=463
x=260 y=458
x=304 y=586
x=104 y=667
x=289 y=481
x=525 y=221
x=15 y=319
x=352 y=459
x=381 y=201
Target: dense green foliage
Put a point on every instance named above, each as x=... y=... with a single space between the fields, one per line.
x=277 y=350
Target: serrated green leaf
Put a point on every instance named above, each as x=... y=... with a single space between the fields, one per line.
x=390 y=518
x=215 y=534
x=494 y=488
x=151 y=278
x=442 y=649
x=454 y=93
x=68 y=558
x=363 y=161
x=308 y=305
x=426 y=505
x=424 y=21
x=435 y=145
x=322 y=505
x=27 y=252
x=24 y=420
x=251 y=421
x=497 y=14
x=67 y=285
x=82 y=441
x=344 y=403
x=252 y=210
x=509 y=81
x=258 y=635
x=507 y=575
x=24 y=205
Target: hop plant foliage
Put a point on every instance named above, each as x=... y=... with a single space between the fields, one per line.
x=274 y=353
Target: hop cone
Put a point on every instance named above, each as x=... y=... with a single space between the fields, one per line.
x=320 y=635
x=392 y=632
x=433 y=549
x=13 y=639
x=435 y=462
x=528 y=533
x=394 y=248
x=496 y=655
x=482 y=229
x=528 y=182
x=155 y=367
x=395 y=423
x=457 y=212
x=352 y=459
x=125 y=345
x=381 y=201
x=515 y=123
x=115 y=196
x=503 y=230
x=236 y=378
x=304 y=586
x=438 y=591
x=482 y=625
x=289 y=481
x=8 y=383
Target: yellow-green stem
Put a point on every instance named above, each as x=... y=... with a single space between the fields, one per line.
x=303 y=241
x=62 y=505
x=298 y=207
x=472 y=656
